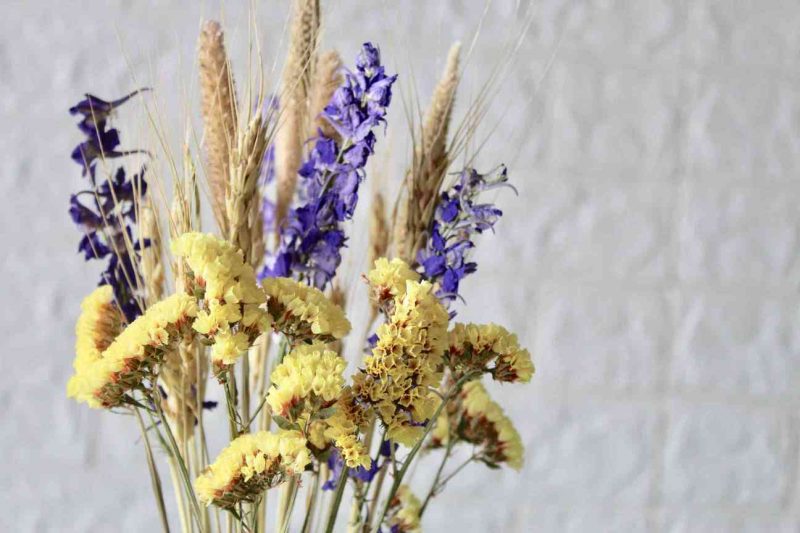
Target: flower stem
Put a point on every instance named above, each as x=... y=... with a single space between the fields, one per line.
x=230 y=402
x=435 y=484
x=337 y=499
x=376 y=494
x=154 y=477
x=287 y=503
x=195 y=507
x=398 y=477
x=246 y=392
x=452 y=474
x=311 y=504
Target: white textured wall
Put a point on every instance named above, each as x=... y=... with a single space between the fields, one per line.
x=649 y=262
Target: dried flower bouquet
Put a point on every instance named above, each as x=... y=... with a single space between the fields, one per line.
x=254 y=311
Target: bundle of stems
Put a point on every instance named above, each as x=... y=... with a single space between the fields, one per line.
x=250 y=325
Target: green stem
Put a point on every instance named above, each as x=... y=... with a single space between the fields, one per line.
x=176 y=479
x=293 y=485
x=155 y=479
x=230 y=402
x=435 y=484
x=246 y=391
x=195 y=507
x=254 y=511
x=258 y=410
x=375 y=460
x=337 y=499
x=376 y=494
x=398 y=478
x=311 y=504
x=452 y=474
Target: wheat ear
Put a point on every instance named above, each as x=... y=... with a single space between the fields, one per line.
x=219 y=114
x=378 y=229
x=327 y=78
x=430 y=157
x=152 y=258
x=297 y=76
x=242 y=201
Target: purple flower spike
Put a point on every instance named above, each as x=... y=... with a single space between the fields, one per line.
x=106 y=213
x=95 y=110
x=312 y=237
x=444 y=260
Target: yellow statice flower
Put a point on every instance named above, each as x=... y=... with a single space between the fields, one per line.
x=354 y=452
x=315 y=434
x=251 y=464
x=231 y=315
x=308 y=379
x=343 y=426
x=488 y=348
x=387 y=280
x=303 y=313
x=133 y=353
x=484 y=424
x=404 y=509
x=405 y=363
x=99 y=323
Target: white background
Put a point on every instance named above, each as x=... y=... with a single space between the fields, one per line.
x=649 y=261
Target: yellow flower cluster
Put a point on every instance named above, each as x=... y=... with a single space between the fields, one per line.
x=133 y=353
x=343 y=427
x=474 y=347
x=485 y=424
x=231 y=315
x=405 y=363
x=251 y=464
x=404 y=511
x=308 y=379
x=303 y=313
x=99 y=323
x=387 y=280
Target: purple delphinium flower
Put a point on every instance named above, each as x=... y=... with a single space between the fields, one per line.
x=336 y=464
x=311 y=237
x=106 y=211
x=100 y=141
x=444 y=259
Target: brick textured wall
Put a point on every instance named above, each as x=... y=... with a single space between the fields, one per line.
x=649 y=261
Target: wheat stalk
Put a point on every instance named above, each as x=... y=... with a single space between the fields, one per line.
x=327 y=78
x=437 y=118
x=179 y=374
x=378 y=229
x=242 y=201
x=219 y=114
x=297 y=76
x=431 y=159
x=151 y=259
